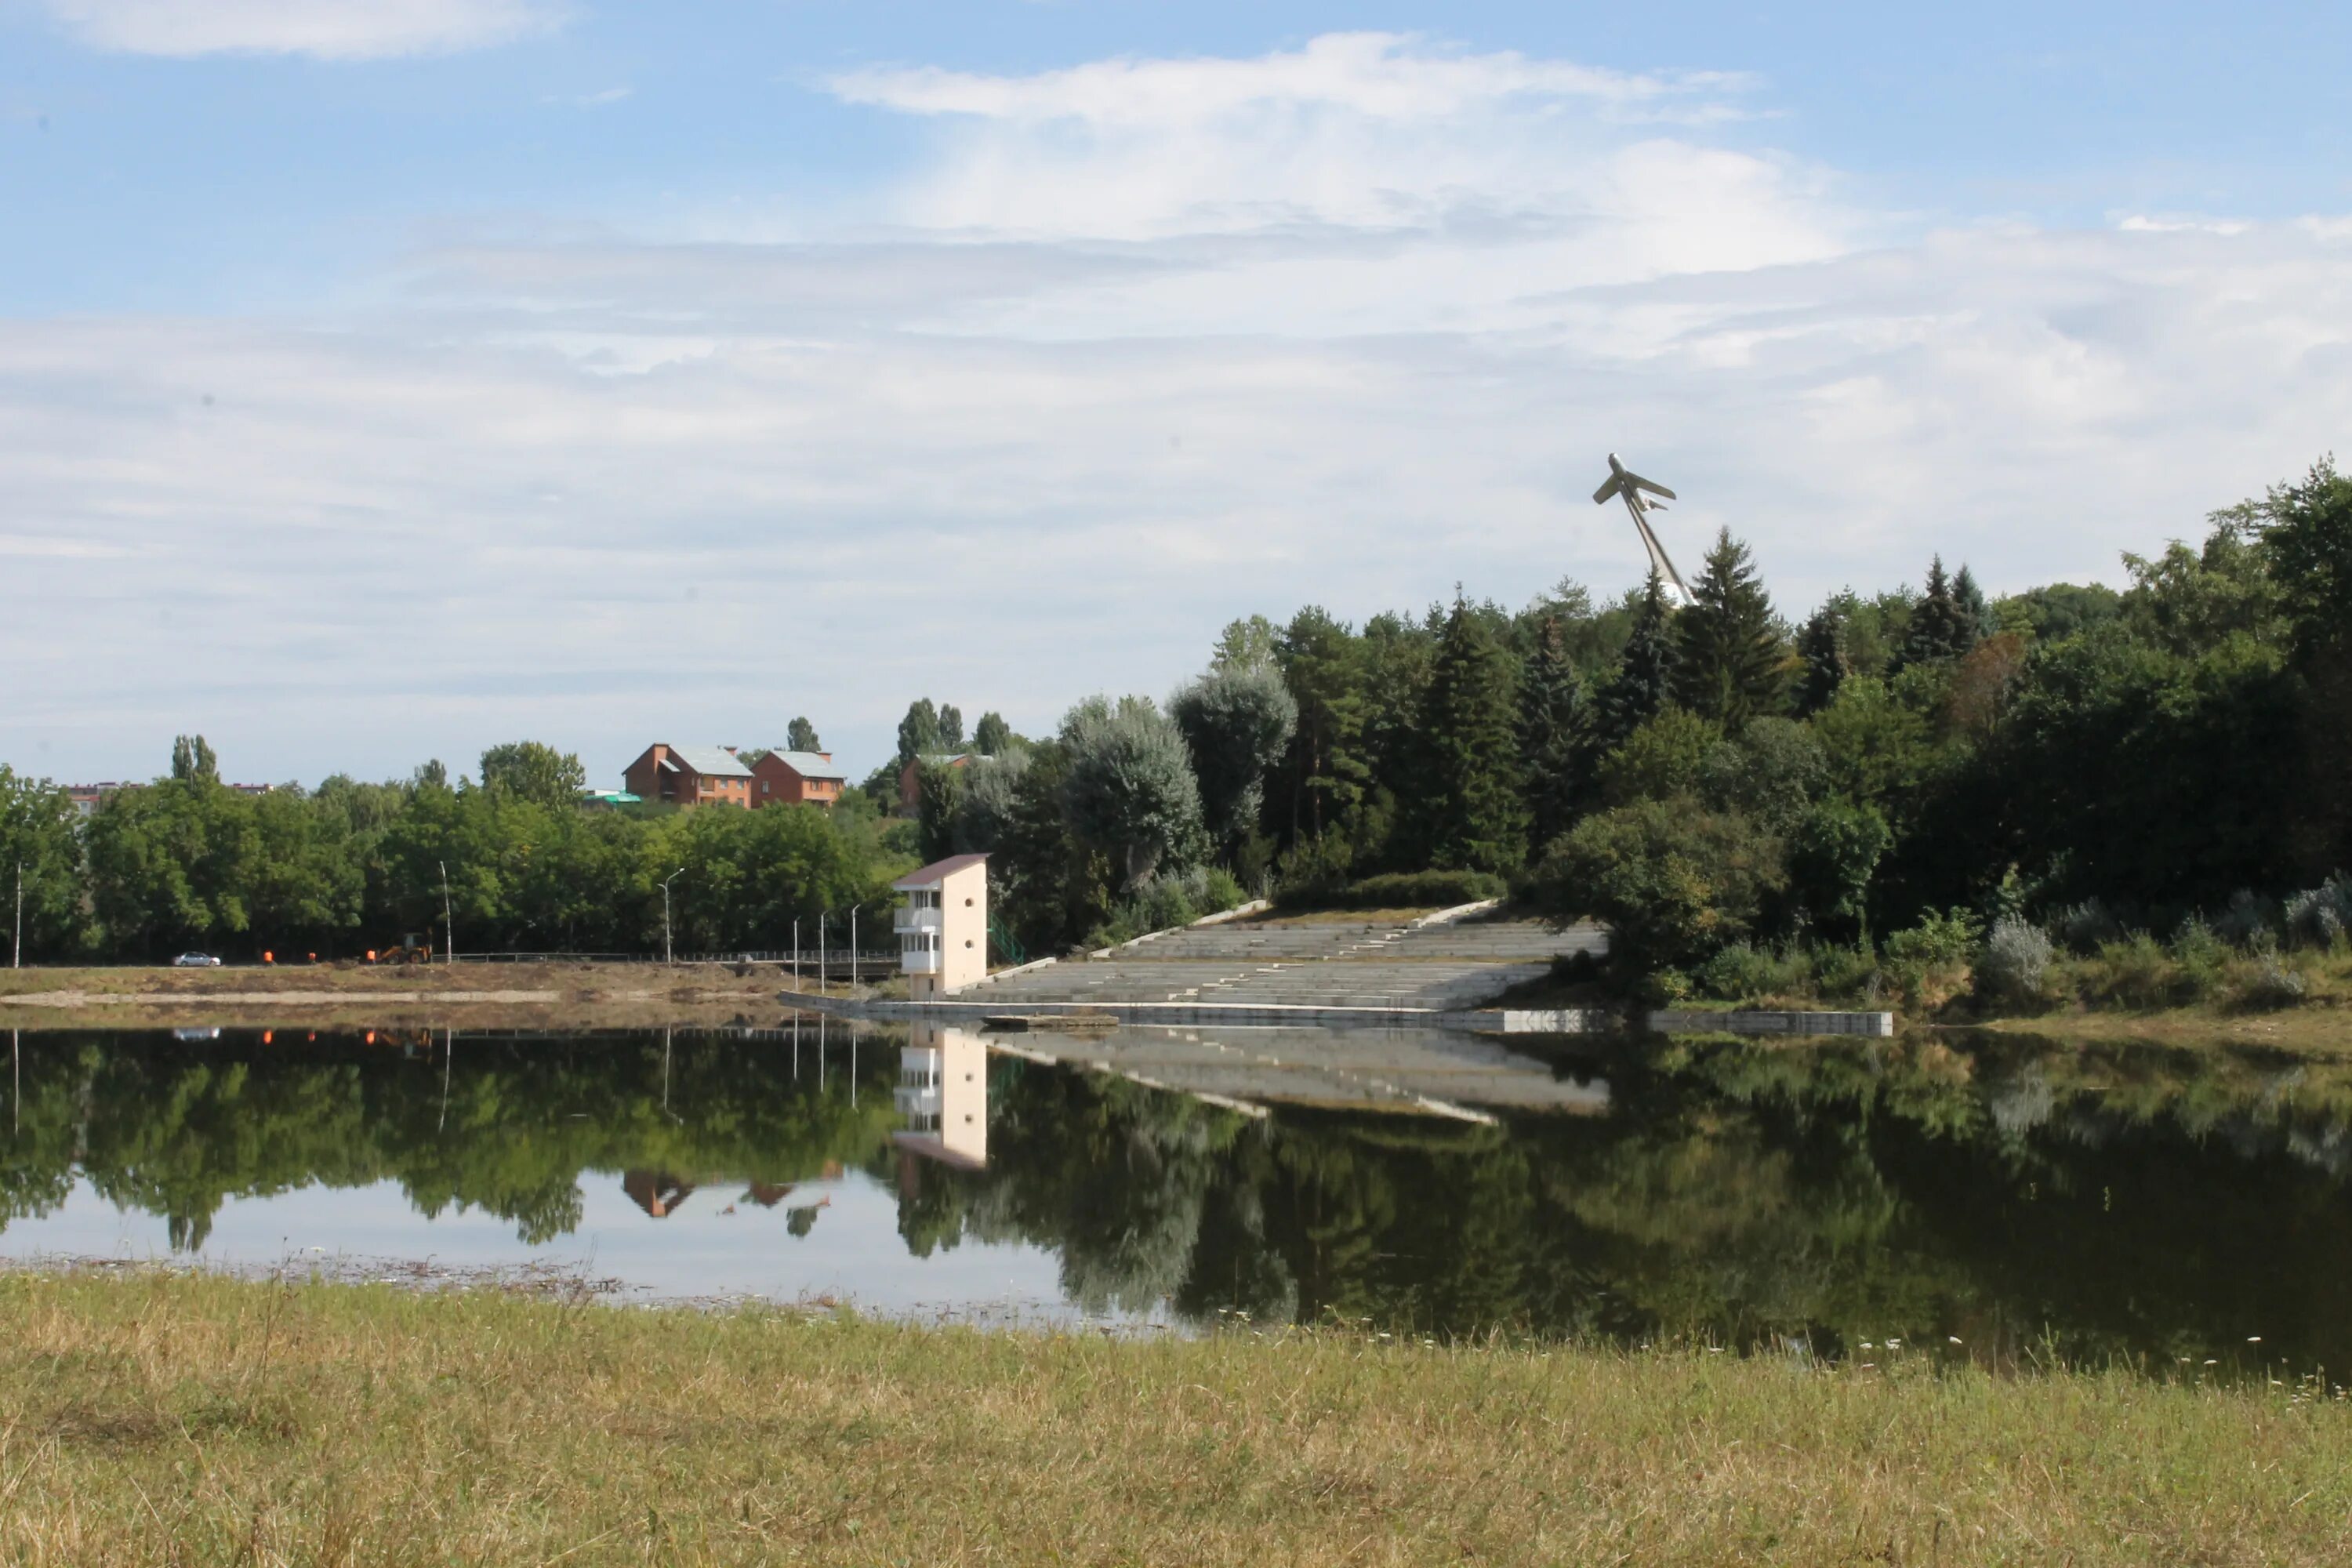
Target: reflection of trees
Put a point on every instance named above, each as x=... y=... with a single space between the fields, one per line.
x=1743 y=1190
x=177 y=1128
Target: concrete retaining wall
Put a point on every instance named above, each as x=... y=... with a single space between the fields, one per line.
x=1695 y=1021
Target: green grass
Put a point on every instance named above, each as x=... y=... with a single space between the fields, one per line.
x=154 y=1418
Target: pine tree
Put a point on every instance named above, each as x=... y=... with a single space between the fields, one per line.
x=1644 y=672
x=1551 y=730
x=801 y=736
x=1820 y=647
x=1729 y=663
x=1473 y=815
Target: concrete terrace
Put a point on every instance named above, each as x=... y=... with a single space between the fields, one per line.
x=1450 y=963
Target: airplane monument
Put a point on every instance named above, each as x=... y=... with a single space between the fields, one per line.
x=1636 y=492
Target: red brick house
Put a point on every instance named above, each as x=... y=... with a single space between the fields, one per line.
x=792 y=778
x=690 y=775
x=910 y=777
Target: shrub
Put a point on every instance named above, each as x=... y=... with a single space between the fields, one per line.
x=2134 y=972
x=1675 y=880
x=2272 y=986
x=1930 y=961
x=2320 y=916
x=2015 y=962
x=2247 y=921
x=1848 y=973
x=1397 y=891
x=2199 y=955
x=2087 y=926
x=1745 y=973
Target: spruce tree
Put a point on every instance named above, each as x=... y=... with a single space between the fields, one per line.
x=1820 y=648
x=1939 y=629
x=1729 y=663
x=1551 y=730
x=1644 y=671
x=1473 y=815
x=1973 y=615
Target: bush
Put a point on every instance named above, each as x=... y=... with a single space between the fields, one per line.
x=1848 y=973
x=2133 y=972
x=2015 y=964
x=2320 y=916
x=1930 y=961
x=1166 y=901
x=1397 y=891
x=1744 y=973
x=2272 y=986
x=2086 y=927
x=1674 y=880
x=2248 y=921
x=2200 y=956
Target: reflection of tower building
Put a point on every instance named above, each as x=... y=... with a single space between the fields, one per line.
x=943 y=1095
x=657 y=1192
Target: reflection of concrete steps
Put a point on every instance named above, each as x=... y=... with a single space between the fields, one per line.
x=1412 y=1071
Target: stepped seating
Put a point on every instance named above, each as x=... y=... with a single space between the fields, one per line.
x=1442 y=967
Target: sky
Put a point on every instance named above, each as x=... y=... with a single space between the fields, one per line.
x=382 y=380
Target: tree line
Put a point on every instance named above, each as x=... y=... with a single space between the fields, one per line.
x=510 y=859
x=1922 y=760
x=1718 y=773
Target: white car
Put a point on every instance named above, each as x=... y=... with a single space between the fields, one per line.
x=196 y=961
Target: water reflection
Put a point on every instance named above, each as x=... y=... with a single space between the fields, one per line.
x=2145 y=1203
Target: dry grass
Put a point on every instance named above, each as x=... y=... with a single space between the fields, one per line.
x=194 y=1421
x=501 y=995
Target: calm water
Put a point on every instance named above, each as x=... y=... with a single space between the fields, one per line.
x=2157 y=1204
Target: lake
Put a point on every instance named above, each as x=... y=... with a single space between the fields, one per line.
x=1979 y=1196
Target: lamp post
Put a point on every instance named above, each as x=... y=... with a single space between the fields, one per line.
x=822 y=915
x=672 y=876
x=448 y=923
x=796 y=952
x=853 y=952
x=18 y=962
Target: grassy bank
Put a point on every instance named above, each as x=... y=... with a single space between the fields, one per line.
x=197 y=1420
x=500 y=995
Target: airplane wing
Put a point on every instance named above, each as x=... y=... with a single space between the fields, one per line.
x=1607 y=491
x=1638 y=483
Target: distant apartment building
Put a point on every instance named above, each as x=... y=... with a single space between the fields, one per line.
x=689 y=776
x=794 y=778
x=910 y=777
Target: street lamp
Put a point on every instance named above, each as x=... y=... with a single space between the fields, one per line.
x=449 y=925
x=672 y=876
x=19 y=961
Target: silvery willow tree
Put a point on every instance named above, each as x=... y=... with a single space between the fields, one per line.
x=1129 y=792
x=1237 y=720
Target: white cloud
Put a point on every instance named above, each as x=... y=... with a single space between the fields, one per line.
x=1381 y=76
x=327 y=29
x=594 y=491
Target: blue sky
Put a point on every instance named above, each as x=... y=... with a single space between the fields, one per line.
x=382 y=379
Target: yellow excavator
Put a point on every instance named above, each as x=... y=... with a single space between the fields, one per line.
x=411 y=949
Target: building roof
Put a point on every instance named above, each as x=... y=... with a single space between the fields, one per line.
x=938 y=871
x=809 y=764
x=943 y=758
x=711 y=762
